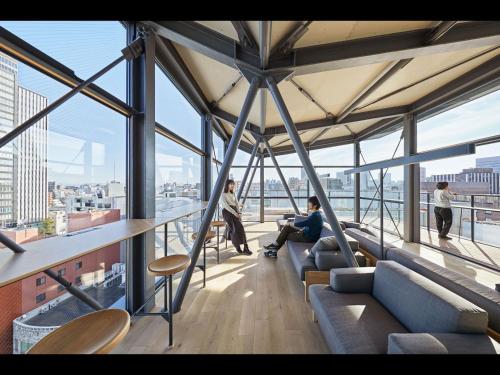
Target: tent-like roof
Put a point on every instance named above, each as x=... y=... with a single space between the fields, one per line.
x=348 y=79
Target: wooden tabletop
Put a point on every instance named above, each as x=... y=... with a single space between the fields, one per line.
x=50 y=252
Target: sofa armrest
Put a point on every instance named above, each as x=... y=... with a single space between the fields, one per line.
x=315 y=277
x=352 y=280
x=414 y=343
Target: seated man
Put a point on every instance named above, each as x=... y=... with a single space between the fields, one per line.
x=308 y=230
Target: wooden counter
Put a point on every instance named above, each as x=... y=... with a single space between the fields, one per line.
x=50 y=252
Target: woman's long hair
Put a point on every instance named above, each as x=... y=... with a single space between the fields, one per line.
x=226 y=186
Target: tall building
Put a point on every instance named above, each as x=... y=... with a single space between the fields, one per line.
x=8 y=87
x=23 y=162
x=423 y=174
x=472 y=176
x=30 y=161
x=490 y=162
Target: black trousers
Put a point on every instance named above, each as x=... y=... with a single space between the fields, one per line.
x=291 y=233
x=236 y=231
x=444 y=219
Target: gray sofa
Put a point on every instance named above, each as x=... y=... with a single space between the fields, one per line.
x=479 y=294
x=323 y=260
x=392 y=309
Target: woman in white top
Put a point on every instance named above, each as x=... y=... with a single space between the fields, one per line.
x=232 y=216
x=442 y=209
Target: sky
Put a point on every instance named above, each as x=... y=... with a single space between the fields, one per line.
x=86 y=142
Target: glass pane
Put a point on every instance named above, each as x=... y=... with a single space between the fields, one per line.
x=63 y=176
x=83 y=46
x=454 y=126
x=382 y=148
x=174 y=112
x=178 y=172
x=338 y=155
x=218 y=146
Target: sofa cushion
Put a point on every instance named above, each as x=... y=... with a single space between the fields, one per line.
x=330 y=243
x=350 y=224
x=352 y=323
x=326 y=230
x=414 y=343
x=422 y=305
x=326 y=260
x=435 y=343
x=479 y=294
x=352 y=279
x=298 y=253
x=369 y=243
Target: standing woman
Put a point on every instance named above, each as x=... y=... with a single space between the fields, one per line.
x=232 y=216
x=442 y=210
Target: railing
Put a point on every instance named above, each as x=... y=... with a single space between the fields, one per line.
x=473 y=220
x=476 y=221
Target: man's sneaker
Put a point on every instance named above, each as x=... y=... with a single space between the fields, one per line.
x=271 y=253
x=271 y=246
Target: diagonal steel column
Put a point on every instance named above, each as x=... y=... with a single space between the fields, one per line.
x=251 y=180
x=311 y=173
x=247 y=171
x=216 y=192
x=282 y=178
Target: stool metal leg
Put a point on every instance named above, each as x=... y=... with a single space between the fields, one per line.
x=217 y=244
x=204 y=262
x=170 y=313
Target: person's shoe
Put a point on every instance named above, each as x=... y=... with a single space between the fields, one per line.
x=445 y=238
x=247 y=252
x=238 y=249
x=271 y=253
x=271 y=246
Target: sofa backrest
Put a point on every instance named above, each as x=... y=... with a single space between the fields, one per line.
x=422 y=305
x=479 y=294
x=368 y=242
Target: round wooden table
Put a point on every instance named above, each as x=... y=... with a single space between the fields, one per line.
x=95 y=333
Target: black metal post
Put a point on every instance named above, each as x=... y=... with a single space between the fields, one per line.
x=411 y=182
x=282 y=178
x=357 y=186
x=216 y=192
x=251 y=180
x=141 y=137
x=311 y=173
x=428 y=211
x=247 y=171
x=472 y=219
x=381 y=208
x=165 y=238
x=261 y=188
x=206 y=169
x=170 y=311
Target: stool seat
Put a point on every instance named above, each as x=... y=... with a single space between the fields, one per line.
x=95 y=333
x=218 y=223
x=169 y=264
x=210 y=234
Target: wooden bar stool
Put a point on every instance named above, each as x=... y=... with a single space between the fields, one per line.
x=95 y=333
x=217 y=224
x=167 y=266
x=210 y=234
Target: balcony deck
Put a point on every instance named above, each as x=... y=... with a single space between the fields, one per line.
x=249 y=305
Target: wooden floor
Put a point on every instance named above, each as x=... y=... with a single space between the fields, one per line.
x=250 y=305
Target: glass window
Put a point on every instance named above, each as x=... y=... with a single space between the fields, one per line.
x=241 y=158
x=61 y=272
x=40 y=297
x=218 y=146
x=94 y=44
x=174 y=112
x=40 y=281
x=470 y=121
x=78 y=265
x=382 y=148
x=338 y=155
x=178 y=171
x=78 y=280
